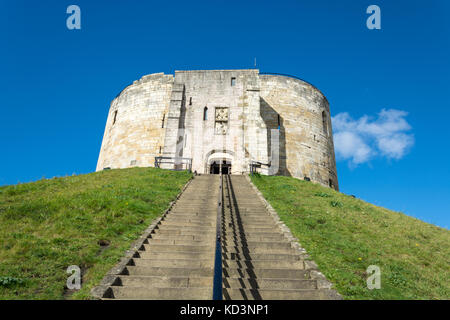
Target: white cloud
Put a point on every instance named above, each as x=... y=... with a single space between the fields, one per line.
x=360 y=140
x=350 y=146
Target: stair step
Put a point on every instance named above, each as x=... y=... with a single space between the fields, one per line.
x=251 y=264
x=175 y=263
x=191 y=218
x=174 y=225
x=165 y=282
x=184 y=232
x=198 y=228
x=261 y=256
x=169 y=271
x=197 y=215
x=176 y=241
x=172 y=255
x=266 y=273
x=245 y=233
x=256 y=244
x=146 y=293
x=232 y=237
x=183 y=237
x=246 y=205
x=244 y=219
x=248 y=223
x=194 y=224
x=253 y=229
x=251 y=250
x=190 y=204
x=266 y=294
x=269 y=283
x=179 y=248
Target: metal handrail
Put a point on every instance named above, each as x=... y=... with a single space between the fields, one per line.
x=217 y=286
x=174 y=160
x=257 y=164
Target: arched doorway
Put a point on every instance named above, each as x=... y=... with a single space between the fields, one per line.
x=218 y=165
x=219 y=162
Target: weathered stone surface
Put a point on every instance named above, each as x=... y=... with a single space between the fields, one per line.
x=222 y=115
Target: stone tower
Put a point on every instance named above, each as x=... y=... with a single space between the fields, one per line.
x=234 y=120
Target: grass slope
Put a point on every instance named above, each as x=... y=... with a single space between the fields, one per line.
x=345 y=235
x=48 y=225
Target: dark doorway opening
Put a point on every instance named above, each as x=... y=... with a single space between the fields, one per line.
x=217 y=165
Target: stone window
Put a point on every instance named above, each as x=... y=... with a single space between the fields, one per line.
x=162 y=122
x=279 y=122
x=159 y=149
x=205 y=114
x=330 y=183
x=324 y=123
x=132 y=162
x=221 y=120
x=190 y=101
x=233 y=81
x=115 y=117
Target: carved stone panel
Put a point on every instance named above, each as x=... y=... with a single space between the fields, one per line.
x=221 y=120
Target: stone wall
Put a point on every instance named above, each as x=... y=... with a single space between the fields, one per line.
x=306 y=143
x=137 y=135
x=228 y=115
x=198 y=135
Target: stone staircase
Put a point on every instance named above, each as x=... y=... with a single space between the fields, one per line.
x=177 y=262
x=258 y=260
x=176 y=259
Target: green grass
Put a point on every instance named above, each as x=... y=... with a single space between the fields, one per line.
x=345 y=235
x=48 y=225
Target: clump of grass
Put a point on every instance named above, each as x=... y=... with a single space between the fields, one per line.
x=336 y=204
x=86 y=220
x=9 y=281
x=346 y=235
x=322 y=194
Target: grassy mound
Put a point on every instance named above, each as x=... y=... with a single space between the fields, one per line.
x=86 y=220
x=345 y=235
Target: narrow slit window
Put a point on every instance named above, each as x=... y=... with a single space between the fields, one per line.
x=162 y=122
x=115 y=117
x=233 y=81
x=324 y=123
x=190 y=101
x=159 y=149
x=205 y=114
x=279 y=122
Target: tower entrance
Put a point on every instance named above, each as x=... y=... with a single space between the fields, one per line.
x=217 y=165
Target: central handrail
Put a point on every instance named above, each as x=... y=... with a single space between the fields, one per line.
x=217 y=287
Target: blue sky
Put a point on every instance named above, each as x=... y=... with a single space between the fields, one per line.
x=56 y=84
